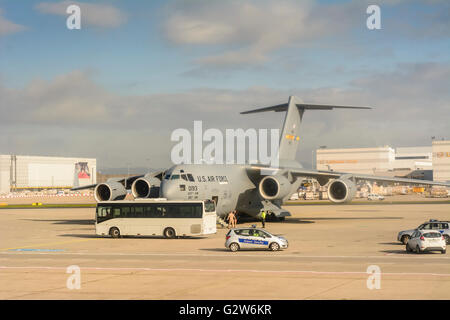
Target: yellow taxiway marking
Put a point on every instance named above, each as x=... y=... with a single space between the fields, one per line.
x=49 y=243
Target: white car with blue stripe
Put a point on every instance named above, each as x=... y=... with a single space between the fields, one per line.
x=254 y=238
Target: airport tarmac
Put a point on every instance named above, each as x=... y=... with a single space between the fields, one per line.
x=331 y=247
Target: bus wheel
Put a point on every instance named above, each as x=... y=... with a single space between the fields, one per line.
x=114 y=232
x=169 y=233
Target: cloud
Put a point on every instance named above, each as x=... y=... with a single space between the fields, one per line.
x=73 y=114
x=8 y=27
x=93 y=14
x=248 y=31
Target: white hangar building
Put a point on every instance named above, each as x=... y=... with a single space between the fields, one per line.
x=37 y=173
x=432 y=162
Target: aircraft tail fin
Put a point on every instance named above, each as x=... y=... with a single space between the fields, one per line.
x=290 y=134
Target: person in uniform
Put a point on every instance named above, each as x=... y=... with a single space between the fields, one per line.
x=263 y=218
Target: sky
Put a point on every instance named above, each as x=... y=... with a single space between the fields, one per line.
x=118 y=87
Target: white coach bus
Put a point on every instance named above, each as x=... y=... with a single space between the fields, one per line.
x=155 y=217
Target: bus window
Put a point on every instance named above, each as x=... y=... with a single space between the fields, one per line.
x=103 y=213
x=160 y=212
x=150 y=211
x=139 y=212
x=173 y=211
x=209 y=206
x=198 y=211
x=185 y=211
x=116 y=213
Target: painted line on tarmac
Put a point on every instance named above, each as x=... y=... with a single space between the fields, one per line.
x=38 y=250
x=48 y=244
x=226 y=270
x=269 y=255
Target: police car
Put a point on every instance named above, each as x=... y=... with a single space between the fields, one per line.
x=441 y=226
x=253 y=238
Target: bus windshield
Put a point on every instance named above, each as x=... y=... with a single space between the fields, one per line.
x=209 y=206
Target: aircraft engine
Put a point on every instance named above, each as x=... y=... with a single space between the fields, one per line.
x=146 y=187
x=341 y=190
x=274 y=187
x=109 y=191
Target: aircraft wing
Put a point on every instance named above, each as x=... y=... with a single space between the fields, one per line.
x=126 y=181
x=324 y=176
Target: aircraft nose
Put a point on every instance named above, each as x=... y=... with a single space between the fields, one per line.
x=168 y=190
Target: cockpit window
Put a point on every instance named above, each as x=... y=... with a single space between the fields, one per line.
x=190 y=177
x=175 y=177
x=184 y=177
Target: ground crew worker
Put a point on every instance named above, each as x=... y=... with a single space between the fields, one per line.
x=263 y=218
x=230 y=219
x=234 y=220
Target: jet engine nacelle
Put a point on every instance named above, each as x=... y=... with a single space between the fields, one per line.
x=146 y=187
x=274 y=187
x=108 y=191
x=341 y=190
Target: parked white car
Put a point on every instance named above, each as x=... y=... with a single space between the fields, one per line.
x=425 y=241
x=373 y=196
x=294 y=196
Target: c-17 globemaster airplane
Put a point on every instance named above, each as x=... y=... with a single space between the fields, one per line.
x=246 y=188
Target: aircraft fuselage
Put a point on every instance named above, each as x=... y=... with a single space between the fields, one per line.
x=228 y=185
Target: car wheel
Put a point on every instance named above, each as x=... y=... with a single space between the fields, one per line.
x=274 y=246
x=234 y=247
x=444 y=251
x=447 y=239
x=405 y=239
x=114 y=232
x=408 y=249
x=169 y=233
x=418 y=250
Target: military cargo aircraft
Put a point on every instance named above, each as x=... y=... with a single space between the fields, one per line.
x=247 y=188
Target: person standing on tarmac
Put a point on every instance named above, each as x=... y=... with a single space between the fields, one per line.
x=263 y=218
x=234 y=221
x=230 y=219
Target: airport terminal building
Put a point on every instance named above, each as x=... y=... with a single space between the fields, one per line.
x=38 y=173
x=430 y=163
x=441 y=160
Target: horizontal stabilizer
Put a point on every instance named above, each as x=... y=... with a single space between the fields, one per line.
x=304 y=106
